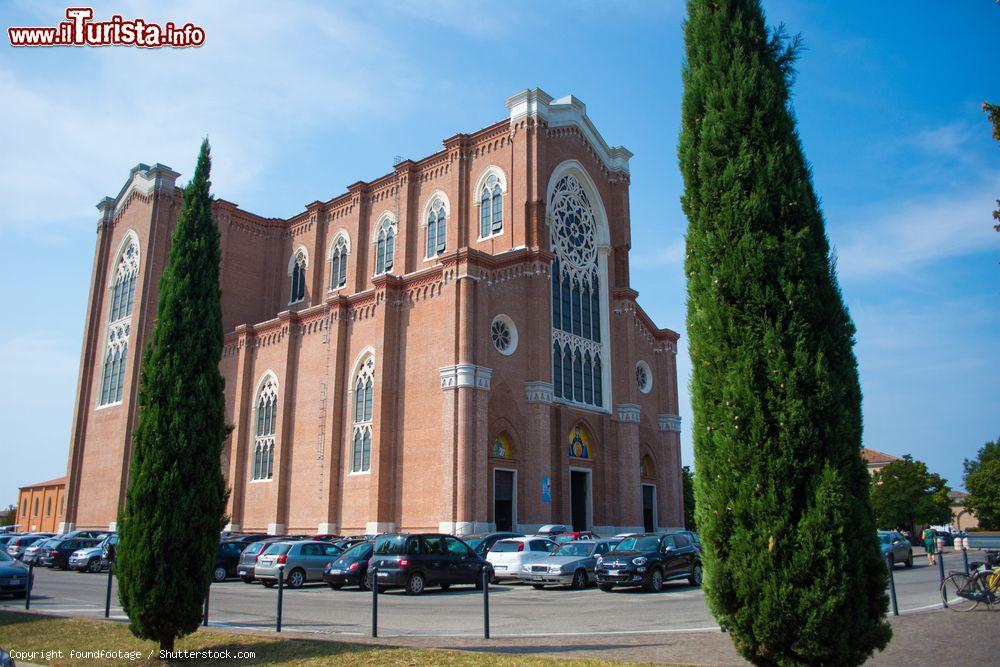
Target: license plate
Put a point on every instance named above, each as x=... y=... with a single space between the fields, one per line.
x=332 y=571
x=499 y=567
x=613 y=573
x=243 y=573
x=383 y=574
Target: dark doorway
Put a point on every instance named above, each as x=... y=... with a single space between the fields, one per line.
x=648 y=507
x=503 y=499
x=579 y=492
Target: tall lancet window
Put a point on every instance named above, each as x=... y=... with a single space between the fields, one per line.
x=338 y=263
x=119 y=323
x=361 y=434
x=385 y=246
x=578 y=359
x=298 y=291
x=264 y=429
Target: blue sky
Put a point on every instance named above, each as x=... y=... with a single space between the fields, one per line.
x=301 y=99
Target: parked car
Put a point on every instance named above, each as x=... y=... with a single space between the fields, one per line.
x=414 y=562
x=13 y=576
x=692 y=536
x=87 y=559
x=481 y=543
x=58 y=554
x=510 y=557
x=248 y=558
x=647 y=560
x=33 y=554
x=895 y=548
x=6 y=538
x=16 y=547
x=553 y=529
x=350 y=568
x=303 y=561
x=574 y=536
x=109 y=550
x=572 y=564
x=227 y=556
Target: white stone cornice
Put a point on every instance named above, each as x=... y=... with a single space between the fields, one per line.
x=539 y=391
x=669 y=422
x=629 y=412
x=466 y=375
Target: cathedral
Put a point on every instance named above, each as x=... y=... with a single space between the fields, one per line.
x=453 y=346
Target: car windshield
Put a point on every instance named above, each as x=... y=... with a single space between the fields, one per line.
x=564 y=538
x=641 y=543
x=278 y=548
x=474 y=542
x=392 y=546
x=506 y=546
x=361 y=550
x=884 y=538
x=574 y=549
x=4 y=557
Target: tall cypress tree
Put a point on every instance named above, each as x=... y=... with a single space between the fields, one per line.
x=793 y=569
x=176 y=498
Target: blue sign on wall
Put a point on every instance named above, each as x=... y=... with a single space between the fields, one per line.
x=546 y=490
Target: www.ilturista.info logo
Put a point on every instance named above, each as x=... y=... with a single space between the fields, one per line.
x=80 y=30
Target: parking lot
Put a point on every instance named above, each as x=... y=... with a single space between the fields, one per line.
x=515 y=610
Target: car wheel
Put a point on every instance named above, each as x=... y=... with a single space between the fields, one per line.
x=655 y=582
x=94 y=565
x=415 y=584
x=606 y=587
x=909 y=560
x=538 y=587
x=364 y=584
x=579 y=580
x=269 y=583
x=695 y=578
x=336 y=587
x=296 y=578
x=219 y=574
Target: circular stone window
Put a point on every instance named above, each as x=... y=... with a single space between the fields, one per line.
x=503 y=333
x=643 y=377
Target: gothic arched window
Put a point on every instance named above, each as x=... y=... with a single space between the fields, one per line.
x=338 y=263
x=385 y=246
x=361 y=436
x=577 y=352
x=437 y=228
x=119 y=323
x=490 y=207
x=264 y=429
x=298 y=278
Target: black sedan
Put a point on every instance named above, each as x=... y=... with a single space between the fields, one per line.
x=350 y=568
x=57 y=555
x=647 y=561
x=13 y=576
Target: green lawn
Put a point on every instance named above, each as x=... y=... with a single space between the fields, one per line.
x=32 y=632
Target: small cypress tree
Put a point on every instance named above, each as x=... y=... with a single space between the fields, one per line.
x=176 y=498
x=793 y=568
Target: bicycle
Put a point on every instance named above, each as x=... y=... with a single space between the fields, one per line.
x=965 y=592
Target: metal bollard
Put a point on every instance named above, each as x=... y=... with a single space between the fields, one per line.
x=204 y=620
x=965 y=558
x=31 y=581
x=944 y=593
x=281 y=590
x=892 y=586
x=373 y=570
x=486 y=603
x=107 y=594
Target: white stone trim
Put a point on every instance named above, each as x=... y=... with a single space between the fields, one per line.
x=326 y=528
x=465 y=375
x=511 y=328
x=669 y=422
x=276 y=529
x=564 y=112
x=539 y=391
x=142 y=178
x=648 y=387
x=460 y=528
x=291 y=260
x=490 y=170
x=629 y=412
x=113 y=526
x=375 y=527
x=232 y=527
x=445 y=203
x=341 y=234
x=66 y=527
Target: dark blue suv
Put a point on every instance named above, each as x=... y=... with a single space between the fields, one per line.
x=647 y=561
x=414 y=562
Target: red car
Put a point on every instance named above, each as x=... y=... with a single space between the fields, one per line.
x=563 y=538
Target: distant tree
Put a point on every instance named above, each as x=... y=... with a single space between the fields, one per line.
x=982 y=482
x=993 y=113
x=792 y=563
x=906 y=495
x=176 y=498
x=688 y=478
x=8 y=516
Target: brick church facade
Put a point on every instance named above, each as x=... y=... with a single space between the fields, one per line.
x=453 y=346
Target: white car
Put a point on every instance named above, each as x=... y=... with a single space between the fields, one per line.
x=512 y=558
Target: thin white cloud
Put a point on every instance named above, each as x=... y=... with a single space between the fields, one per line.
x=659 y=257
x=918 y=232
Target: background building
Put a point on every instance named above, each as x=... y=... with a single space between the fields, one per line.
x=876 y=460
x=453 y=346
x=41 y=506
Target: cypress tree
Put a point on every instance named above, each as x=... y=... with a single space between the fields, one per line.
x=176 y=497
x=793 y=569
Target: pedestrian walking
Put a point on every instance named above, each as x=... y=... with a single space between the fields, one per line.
x=930 y=544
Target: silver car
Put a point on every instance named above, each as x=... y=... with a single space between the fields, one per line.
x=571 y=565
x=303 y=561
x=511 y=557
x=17 y=546
x=32 y=555
x=87 y=559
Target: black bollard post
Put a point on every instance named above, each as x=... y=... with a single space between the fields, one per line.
x=486 y=603
x=944 y=594
x=204 y=620
x=373 y=571
x=892 y=586
x=31 y=581
x=107 y=594
x=281 y=590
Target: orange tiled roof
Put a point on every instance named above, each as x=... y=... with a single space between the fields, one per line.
x=58 y=481
x=874 y=456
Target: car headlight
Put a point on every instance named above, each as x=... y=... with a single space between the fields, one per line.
x=600 y=560
x=641 y=560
